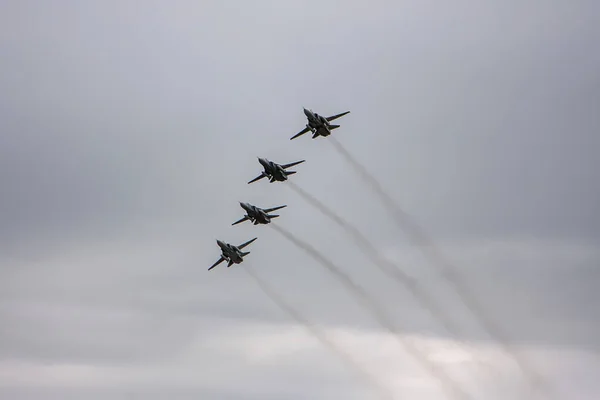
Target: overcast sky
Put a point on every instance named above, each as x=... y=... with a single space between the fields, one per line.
x=128 y=131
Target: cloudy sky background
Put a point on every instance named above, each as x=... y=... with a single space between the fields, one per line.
x=129 y=131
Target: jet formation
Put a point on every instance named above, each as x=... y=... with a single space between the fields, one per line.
x=319 y=126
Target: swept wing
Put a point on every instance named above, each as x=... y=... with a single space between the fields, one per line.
x=302 y=132
x=219 y=261
x=241 y=246
x=240 y=220
x=336 y=116
x=286 y=166
x=258 y=178
x=268 y=210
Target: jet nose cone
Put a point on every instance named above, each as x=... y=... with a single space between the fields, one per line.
x=220 y=243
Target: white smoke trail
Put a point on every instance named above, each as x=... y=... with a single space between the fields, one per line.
x=451 y=389
x=447 y=270
x=387 y=267
x=318 y=334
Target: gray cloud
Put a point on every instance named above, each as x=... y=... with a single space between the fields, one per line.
x=128 y=136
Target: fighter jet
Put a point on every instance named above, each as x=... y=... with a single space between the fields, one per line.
x=233 y=254
x=274 y=171
x=257 y=215
x=319 y=125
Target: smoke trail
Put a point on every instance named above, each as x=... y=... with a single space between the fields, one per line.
x=445 y=269
x=384 y=265
x=318 y=334
x=450 y=388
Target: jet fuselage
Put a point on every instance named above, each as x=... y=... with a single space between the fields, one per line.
x=317 y=123
x=255 y=214
x=231 y=252
x=273 y=170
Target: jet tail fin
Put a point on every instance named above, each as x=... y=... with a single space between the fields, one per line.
x=290 y=172
x=272 y=216
x=245 y=253
x=332 y=127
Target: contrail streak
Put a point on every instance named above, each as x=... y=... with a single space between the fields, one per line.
x=449 y=387
x=384 y=265
x=318 y=333
x=445 y=269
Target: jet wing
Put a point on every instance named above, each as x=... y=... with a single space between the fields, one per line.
x=241 y=220
x=258 y=178
x=336 y=116
x=241 y=246
x=286 y=166
x=219 y=261
x=302 y=132
x=268 y=210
